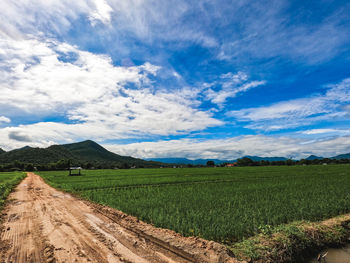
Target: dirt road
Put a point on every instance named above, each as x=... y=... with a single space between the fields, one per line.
x=41 y=224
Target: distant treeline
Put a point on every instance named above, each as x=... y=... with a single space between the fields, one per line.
x=65 y=164
x=249 y=162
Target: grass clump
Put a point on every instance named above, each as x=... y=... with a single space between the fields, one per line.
x=293 y=242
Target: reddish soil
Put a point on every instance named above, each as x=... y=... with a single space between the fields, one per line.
x=42 y=224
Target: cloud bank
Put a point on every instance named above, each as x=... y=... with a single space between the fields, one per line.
x=95 y=98
x=236 y=147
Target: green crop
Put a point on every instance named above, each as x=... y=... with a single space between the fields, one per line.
x=7 y=182
x=222 y=204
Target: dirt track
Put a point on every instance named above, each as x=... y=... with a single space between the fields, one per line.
x=42 y=224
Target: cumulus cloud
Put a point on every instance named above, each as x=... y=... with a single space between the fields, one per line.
x=93 y=98
x=38 y=70
x=232 y=148
x=299 y=112
x=98 y=98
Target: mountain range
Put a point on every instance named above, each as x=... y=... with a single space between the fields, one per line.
x=91 y=152
x=86 y=151
x=254 y=158
x=216 y=161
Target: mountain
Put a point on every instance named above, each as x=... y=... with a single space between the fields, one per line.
x=313 y=157
x=34 y=155
x=270 y=159
x=342 y=156
x=1 y=151
x=81 y=152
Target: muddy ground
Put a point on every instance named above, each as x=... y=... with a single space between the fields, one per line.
x=42 y=224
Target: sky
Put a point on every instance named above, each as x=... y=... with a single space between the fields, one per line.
x=196 y=79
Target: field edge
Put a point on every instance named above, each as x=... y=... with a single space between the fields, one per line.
x=293 y=242
x=10 y=188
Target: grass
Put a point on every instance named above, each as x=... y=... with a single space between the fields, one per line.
x=7 y=182
x=221 y=204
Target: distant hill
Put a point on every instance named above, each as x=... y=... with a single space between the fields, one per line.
x=271 y=159
x=342 y=156
x=188 y=161
x=86 y=151
x=216 y=161
x=338 y=157
x=313 y=157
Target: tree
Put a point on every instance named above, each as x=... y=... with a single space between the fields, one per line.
x=29 y=167
x=62 y=164
x=245 y=162
x=289 y=162
x=125 y=166
x=210 y=163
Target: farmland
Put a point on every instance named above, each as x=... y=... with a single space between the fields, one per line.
x=221 y=204
x=7 y=182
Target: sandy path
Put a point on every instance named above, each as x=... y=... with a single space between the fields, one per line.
x=42 y=224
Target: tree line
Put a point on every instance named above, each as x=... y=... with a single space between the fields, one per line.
x=249 y=162
x=65 y=164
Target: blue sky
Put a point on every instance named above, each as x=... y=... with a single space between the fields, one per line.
x=195 y=79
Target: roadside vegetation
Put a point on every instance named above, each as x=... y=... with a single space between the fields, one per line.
x=7 y=182
x=222 y=204
x=293 y=242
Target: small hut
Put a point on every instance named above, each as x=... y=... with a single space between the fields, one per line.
x=75 y=171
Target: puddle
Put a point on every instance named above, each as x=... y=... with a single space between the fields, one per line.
x=334 y=255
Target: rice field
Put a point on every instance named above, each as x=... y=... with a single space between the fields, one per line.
x=7 y=182
x=221 y=204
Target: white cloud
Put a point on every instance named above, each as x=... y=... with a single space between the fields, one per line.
x=273 y=32
x=154 y=21
x=230 y=85
x=21 y=18
x=232 y=148
x=4 y=119
x=102 y=13
x=149 y=21
x=298 y=112
x=33 y=69
x=100 y=99
x=322 y=131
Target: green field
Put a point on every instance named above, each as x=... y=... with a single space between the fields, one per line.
x=7 y=182
x=222 y=204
